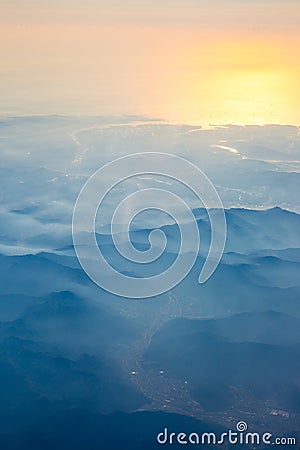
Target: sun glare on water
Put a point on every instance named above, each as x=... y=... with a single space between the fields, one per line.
x=239 y=84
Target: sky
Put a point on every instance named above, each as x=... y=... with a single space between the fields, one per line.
x=185 y=61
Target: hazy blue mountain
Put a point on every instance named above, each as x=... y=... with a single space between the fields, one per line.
x=77 y=430
x=218 y=357
x=82 y=368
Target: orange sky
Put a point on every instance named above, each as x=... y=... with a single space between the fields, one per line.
x=184 y=61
